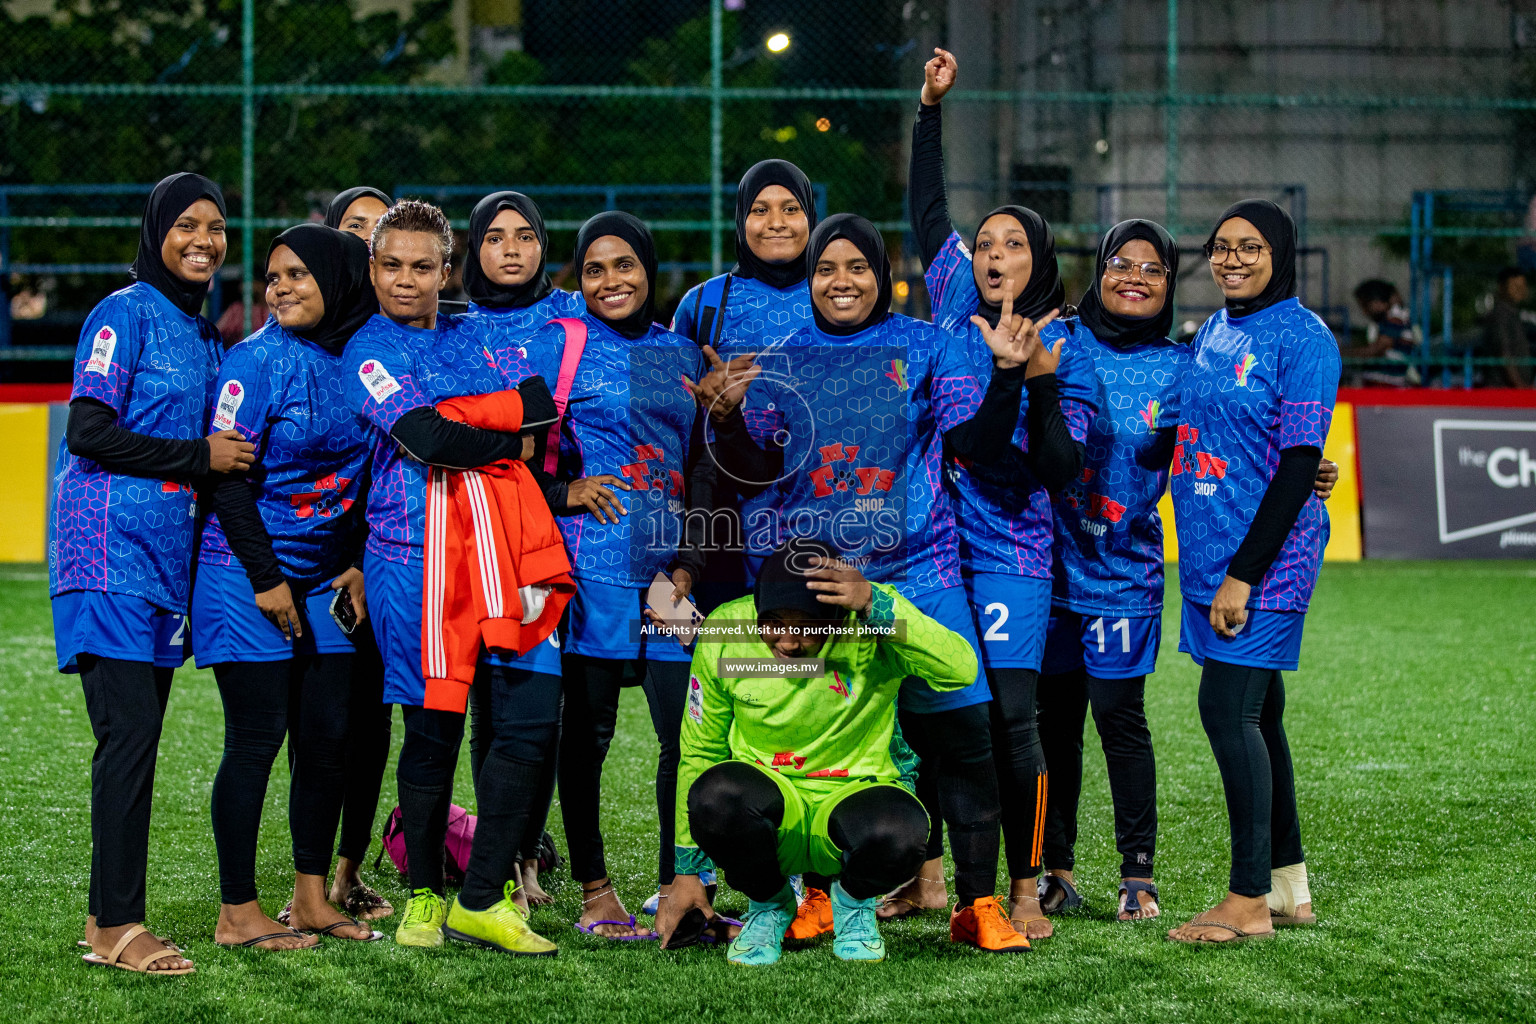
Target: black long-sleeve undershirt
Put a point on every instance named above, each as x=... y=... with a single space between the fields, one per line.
x=1054 y=456
x=91 y=432
x=1278 y=510
x=428 y=436
x=927 y=196
x=234 y=499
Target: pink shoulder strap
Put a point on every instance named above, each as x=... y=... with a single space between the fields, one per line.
x=570 y=357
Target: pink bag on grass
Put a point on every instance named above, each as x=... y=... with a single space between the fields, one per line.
x=456 y=846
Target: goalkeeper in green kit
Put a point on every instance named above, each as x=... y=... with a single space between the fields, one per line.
x=803 y=771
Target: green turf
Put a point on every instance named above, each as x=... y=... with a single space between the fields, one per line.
x=1412 y=724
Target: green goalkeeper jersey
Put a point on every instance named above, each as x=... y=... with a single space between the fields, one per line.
x=814 y=731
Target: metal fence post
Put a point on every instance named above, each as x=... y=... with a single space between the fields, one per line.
x=1171 y=122
x=247 y=156
x=716 y=129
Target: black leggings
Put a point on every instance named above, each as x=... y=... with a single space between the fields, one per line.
x=306 y=700
x=587 y=722
x=735 y=813
x=424 y=774
x=1020 y=766
x=368 y=725
x=524 y=721
x=126 y=704
x=481 y=733
x=1119 y=713
x=1241 y=709
x=957 y=783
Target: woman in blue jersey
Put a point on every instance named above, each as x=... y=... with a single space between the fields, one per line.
x=1004 y=510
x=400 y=365
x=357 y=210
x=276 y=548
x=620 y=489
x=848 y=424
x=1107 y=573
x=764 y=297
x=1253 y=417
x=120 y=534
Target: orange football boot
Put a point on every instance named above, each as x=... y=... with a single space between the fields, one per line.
x=985 y=926
x=814 y=916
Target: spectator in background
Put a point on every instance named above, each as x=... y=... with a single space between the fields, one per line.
x=1390 y=338
x=1505 y=333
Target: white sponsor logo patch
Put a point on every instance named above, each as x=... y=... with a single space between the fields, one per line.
x=102 y=348
x=379 y=381
x=230 y=400
x=695 y=700
x=965 y=250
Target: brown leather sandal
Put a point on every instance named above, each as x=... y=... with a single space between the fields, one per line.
x=114 y=959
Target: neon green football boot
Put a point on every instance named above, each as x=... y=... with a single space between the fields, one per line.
x=423 y=921
x=502 y=926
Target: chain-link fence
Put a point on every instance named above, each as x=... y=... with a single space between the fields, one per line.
x=1357 y=117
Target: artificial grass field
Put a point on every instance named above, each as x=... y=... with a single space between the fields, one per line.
x=1411 y=724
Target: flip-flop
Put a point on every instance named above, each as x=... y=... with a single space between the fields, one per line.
x=251 y=943
x=1238 y=935
x=363 y=898
x=591 y=929
x=1057 y=895
x=330 y=929
x=711 y=936
x=1292 y=921
x=115 y=958
x=1129 y=891
x=913 y=910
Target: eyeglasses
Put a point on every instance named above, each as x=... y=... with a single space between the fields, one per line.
x=1247 y=253
x=1120 y=268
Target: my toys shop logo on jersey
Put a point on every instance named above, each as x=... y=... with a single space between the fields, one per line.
x=647 y=473
x=1096 y=512
x=324 y=499
x=1207 y=468
x=1243 y=367
x=839 y=472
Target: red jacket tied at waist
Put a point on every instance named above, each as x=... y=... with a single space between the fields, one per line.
x=491 y=549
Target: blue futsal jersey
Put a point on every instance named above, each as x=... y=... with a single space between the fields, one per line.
x=154 y=366
x=754 y=313
x=630 y=415
x=391 y=369
x=1004 y=512
x=951 y=283
x=1258 y=384
x=288 y=397
x=1108 y=533
x=519 y=323
x=861 y=419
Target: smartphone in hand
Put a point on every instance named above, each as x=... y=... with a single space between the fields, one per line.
x=343 y=611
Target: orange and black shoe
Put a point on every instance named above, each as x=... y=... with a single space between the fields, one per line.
x=814 y=916
x=984 y=925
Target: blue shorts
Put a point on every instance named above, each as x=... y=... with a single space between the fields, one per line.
x=1011 y=614
x=1108 y=647
x=545 y=658
x=227 y=626
x=117 y=626
x=1270 y=639
x=950 y=608
x=394 y=608
x=605 y=620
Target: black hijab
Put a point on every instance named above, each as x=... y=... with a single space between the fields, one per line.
x=338 y=208
x=781 y=583
x=758 y=177
x=480 y=288
x=868 y=241
x=168 y=201
x=1112 y=328
x=1280 y=232
x=1044 y=290
x=338 y=261
x=629 y=228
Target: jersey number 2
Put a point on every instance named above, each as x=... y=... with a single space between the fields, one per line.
x=994 y=631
